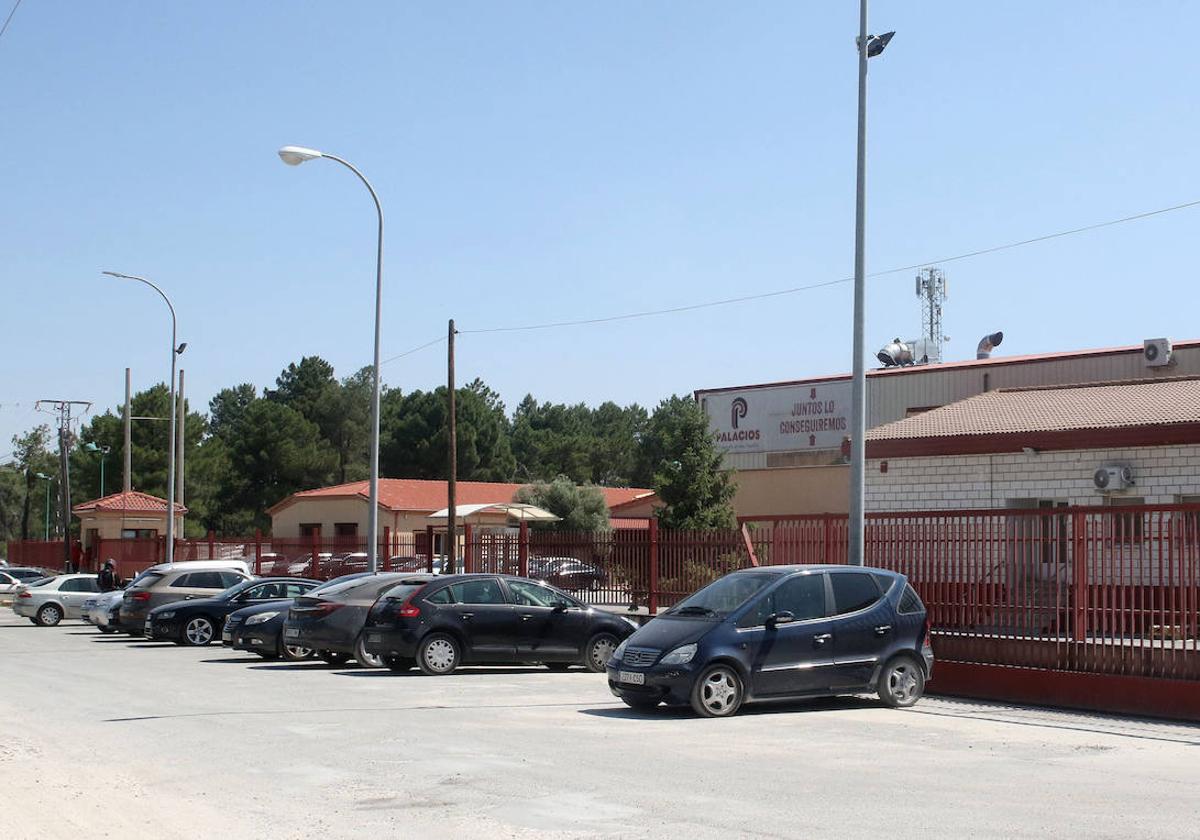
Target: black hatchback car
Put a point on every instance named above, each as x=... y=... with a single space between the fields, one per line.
x=259 y=629
x=330 y=620
x=440 y=622
x=780 y=632
x=198 y=621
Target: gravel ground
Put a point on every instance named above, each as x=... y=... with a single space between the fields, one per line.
x=106 y=736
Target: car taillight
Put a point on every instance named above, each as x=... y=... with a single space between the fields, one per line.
x=928 y=642
x=141 y=596
x=408 y=610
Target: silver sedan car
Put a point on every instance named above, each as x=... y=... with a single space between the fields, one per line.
x=100 y=613
x=51 y=601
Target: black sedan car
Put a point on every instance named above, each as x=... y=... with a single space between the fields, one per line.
x=567 y=573
x=259 y=629
x=780 y=632
x=438 y=623
x=198 y=621
x=330 y=620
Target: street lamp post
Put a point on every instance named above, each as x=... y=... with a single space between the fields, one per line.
x=294 y=156
x=103 y=450
x=48 y=479
x=869 y=46
x=175 y=351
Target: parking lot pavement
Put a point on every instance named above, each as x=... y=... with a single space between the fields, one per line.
x=105 y=736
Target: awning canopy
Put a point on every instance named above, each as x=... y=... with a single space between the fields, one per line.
x=513 y=512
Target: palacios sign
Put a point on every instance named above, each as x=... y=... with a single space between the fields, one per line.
x=785 y=418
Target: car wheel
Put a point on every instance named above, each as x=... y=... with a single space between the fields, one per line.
x=107 y=630
x=366 y=660
x=901 y=682
x=266 y=654
x=199 y=631
x=399 y=664
x=294 y=653
x=641 y=704
x=334 y=658
x=49 y=615
x=557 y=666
x=438 y=654
x=718 y=692
x=598 y=651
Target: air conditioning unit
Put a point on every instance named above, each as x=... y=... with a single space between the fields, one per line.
x=1157 y=352
x=1115 y=477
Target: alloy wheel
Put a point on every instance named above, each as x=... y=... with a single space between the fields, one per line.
x=50 y=615
x=296 y=653
x=199 y=631
x=720 y=692
x=903 y=683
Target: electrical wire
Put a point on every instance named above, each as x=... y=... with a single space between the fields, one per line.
x=811 y=286
x=414 y=350
x=8 y=19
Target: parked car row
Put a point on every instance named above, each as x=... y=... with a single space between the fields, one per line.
x=768 y=633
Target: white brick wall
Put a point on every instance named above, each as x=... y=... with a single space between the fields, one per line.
x=990 y=481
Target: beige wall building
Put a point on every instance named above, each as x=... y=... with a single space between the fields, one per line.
x=131 y=515
x=786 y=441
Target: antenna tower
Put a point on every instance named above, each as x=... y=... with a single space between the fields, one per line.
x=932 y=289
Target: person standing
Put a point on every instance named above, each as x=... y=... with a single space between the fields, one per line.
x=107 y=577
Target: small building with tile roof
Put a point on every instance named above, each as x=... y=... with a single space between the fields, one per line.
x=1042 y=447
x=406 y=503
x=130 y=515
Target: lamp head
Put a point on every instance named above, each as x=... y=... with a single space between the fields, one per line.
x=43 y=476
x=296 y=155
x=91 y=447
x=876 y=44
x=179 y=350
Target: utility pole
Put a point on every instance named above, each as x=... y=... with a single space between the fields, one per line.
x=451 y=484
x=869 y=46
x=63 y=409
x=127 y=479
x=179 y=437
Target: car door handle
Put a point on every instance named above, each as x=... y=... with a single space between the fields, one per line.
x=466 y=615
x=883 y=629
x=822 y=639
x=526 y=616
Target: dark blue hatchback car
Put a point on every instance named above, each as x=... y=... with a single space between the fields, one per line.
x=779 y=632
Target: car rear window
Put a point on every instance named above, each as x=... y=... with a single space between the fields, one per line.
x=403 y=591
x=442 y=596
x=853 y=591
x=485 y=591
x=910 y=602
x=146 y=579
x=884 y=580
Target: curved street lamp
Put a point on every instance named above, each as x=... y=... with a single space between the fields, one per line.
x=48 y=479
x=294 y=156
x=175 y=351
x=103 y=450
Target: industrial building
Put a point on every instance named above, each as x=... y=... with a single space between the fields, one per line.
x=787 y=444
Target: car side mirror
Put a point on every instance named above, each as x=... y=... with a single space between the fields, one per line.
x=778 y=618
x=559 y=608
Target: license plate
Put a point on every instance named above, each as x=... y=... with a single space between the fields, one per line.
x=226 y=637
x=631 y=678
x=148 y=628
x=291 y=633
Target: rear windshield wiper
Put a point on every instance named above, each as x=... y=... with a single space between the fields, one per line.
x=693 y=609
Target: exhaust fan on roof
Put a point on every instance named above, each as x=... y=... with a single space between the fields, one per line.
x=1157 y=352
x=895 y=353
x=1114 y=477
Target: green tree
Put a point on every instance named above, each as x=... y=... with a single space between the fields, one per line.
x=31 y=455
x=616 y=432
x=679 y=453
x=579 y=507
x=273 y=452
x=552 y=439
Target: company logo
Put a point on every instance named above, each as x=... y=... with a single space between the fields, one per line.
x=737 y=410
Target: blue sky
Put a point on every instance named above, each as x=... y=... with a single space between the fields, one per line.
x=546 y=161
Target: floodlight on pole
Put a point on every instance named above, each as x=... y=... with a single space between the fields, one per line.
x=103 y=450
x=294 y=156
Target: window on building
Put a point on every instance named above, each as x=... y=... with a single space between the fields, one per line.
x=1127 y=527
x=345 y=529
x=138 y=533
x=310 y=529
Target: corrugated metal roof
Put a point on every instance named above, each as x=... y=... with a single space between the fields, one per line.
x=1055 y=409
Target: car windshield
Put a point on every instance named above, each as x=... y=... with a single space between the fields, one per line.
x=46 y=581
x=724 y=596
x=226 y=594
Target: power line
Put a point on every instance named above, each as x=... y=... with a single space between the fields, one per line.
x=811 y=286
x=8 y=19
x=437 y=340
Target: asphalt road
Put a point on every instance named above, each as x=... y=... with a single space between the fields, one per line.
x=110 y=737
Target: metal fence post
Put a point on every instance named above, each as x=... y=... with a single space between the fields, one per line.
x=316 y=554
x=1079 y=587
x=828 y=538
x=386 y=554
x=429 y=549
x=258 y=551
x=523 y=550
x=652 y=596
x=212 y=544
x=468 y=552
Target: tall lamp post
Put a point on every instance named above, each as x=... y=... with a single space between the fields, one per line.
x=869 y=46
x=48 y=479
x=294 y=156
x=175 y=351
x=103 y=450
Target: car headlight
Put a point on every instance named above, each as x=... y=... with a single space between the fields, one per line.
x=680 y=656
x=619 y=653
x=167 y=614
x=260 y=618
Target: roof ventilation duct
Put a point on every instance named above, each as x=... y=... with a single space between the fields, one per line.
x=896 y=353
x=987 y=344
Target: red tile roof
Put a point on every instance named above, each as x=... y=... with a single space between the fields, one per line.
x=131 y=502
x=426 y=496
x=1148 y=411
